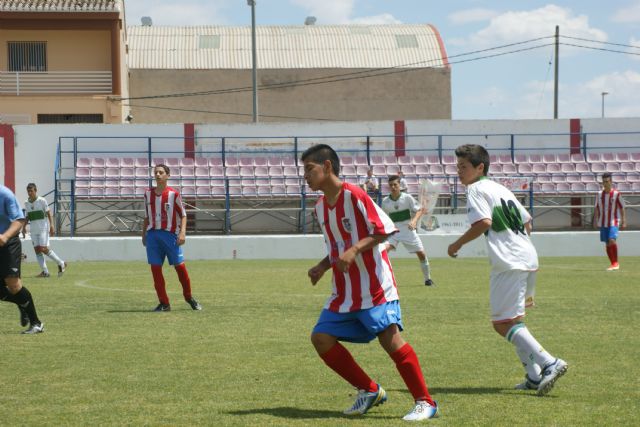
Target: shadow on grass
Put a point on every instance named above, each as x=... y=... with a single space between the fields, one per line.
x=458 y=390
x=301 y=413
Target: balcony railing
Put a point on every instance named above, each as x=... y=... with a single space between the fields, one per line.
x=55 y=82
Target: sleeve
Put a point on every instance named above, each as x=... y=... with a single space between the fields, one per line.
x=378 y=222
x=621 y=202
x=45 y=205
x=14 y=212
x=415 y=205
x=524 y=213
x=146 y=205
x=179 y=206
x=477 y=206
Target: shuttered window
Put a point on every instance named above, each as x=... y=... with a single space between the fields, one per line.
x=27 y=56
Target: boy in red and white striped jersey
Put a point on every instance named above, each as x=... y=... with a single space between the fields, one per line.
x=364 y=301
x=610 y=216
x=163 y=234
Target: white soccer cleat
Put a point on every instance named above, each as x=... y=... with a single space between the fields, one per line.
x=550 y=375
x=365 y=400
x=613 y=267
x=527 y=384
x=422 y=411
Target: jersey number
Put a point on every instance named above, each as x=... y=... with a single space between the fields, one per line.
x=507 y=216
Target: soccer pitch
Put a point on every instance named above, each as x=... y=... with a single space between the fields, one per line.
x=106 y=359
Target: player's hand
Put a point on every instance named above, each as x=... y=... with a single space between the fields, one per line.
x=411 y=226
x=144 y=240
x=346 y=259
x=52 y=232
x=181 y=239
x=3 y=240
x=315 y=273
x=453 y=250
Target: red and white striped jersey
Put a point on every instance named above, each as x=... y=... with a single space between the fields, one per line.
x=609 y=208
x=165 y=210
x=370 y=280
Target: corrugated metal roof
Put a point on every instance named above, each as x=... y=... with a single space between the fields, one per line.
x=60 y=5
x=281 y=47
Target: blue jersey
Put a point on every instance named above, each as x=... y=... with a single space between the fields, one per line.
x=9 y=208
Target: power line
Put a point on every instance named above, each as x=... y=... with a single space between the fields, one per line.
x=598 y=41
x=601 y=49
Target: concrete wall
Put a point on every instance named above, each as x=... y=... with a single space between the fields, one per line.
x=415 y=94
x=312 y=247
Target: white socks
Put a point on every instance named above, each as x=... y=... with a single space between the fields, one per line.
x=424 y=265
x=529 y=349
x=55 y=257
x=42 y=263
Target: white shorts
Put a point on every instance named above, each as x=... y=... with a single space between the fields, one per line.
x=40 y=239
x=511 y=292
x=409 y=238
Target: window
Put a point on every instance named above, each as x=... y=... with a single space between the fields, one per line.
x=406 y=40
x=209 y=42
x=70 y=118
x=27 y=56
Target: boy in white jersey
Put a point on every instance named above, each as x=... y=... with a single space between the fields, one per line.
x=405 y=212
x=41 y=227
x=364 y=302
x=493 y=210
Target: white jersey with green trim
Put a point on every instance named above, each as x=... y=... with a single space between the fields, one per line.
x=36 y=214
x=402 y=209
x=508 y=243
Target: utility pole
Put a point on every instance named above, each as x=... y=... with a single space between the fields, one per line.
x=555 y=78
x=254 y=76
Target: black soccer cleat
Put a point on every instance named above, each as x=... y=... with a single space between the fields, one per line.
x=162 y=307
x=195 y=305
x=429 y=282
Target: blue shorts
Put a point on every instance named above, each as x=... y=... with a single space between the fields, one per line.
x=161 y=244
x=360 y=326
x=607 y=233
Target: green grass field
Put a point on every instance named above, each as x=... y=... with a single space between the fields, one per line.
x=105 y=359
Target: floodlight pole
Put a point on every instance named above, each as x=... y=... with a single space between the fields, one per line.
x=252 y=3
x=603 y=95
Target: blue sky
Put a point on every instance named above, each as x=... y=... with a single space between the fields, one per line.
x=512 y=86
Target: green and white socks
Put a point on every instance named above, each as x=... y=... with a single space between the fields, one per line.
x=532 y=355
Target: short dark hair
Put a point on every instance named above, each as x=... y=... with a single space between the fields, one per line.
x=475 y=154
x=393 y=178
x=606 y=175
x=31 y=185
x=163 y=166
x=319 y=153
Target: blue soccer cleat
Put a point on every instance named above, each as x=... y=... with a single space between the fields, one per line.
x=365 y=400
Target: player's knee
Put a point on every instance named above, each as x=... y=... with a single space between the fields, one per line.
x=322 y=342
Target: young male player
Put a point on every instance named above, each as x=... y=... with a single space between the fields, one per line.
x=41 y=227
x=11 y=289
x=163 y=234
x=405 y=212
x=364 y=302
x=609 y=214
x=494 y=210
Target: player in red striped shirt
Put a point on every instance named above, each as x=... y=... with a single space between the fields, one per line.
x=163 y=234
x=609 y=214
x=364 y=302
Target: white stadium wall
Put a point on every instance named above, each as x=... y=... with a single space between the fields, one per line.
x=312 y=247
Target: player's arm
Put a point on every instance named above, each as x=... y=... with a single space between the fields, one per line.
x=318 y=270
x=145 y=224
x=528 y=227
x=13 y=230
x=596 y=215
x=346 y=259
x=413 y=224
x=24 y=228
x=476 y=230
x=52 y=230
x=182 y=235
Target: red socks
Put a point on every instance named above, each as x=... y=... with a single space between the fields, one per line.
x=409 y=367
x=340 y=360
x=158 y=283
x=612 y=252
x=183 y=276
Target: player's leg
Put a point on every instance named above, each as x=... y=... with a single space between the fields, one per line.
x=37 y=239
x=155 y=258
x=508 y=294
x=331 y=325
x=175 y=255
x=413 y=244
x=405 y=359
x=51 y=254
x=612 y=248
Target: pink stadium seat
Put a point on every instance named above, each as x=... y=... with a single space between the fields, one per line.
x=587 y=177
x=188 y=191
x=97 y=192
x=112 y=162
x=553 y=168
x=348 y=170
x=351 y=180
x=263 y=182
x=413 y=189
x=505 y=159
x=450 y=169
x=384 y=187
x=537 y=168
x=423 y=169
x=535 y=158
x=249 y=191
x=521 y=158
x=509 y=169
x=127 y=162
x=141 y=162
x=201 y=162
x=404 y=160
x=582 y=168
x=543 y=178
x=216 y=171
x=274 y=161
x=127 y=183
x=556 y=179
x=633 y=177
x=635 y=187
x=260 y=161
x=360 y=161
x=578 y=187
x=187 y=161
x=634 y=157
x=142 y=173
x=139 y=191
x=379 y=170
x=293 y=171
x=84 y=162
x=577 y=158
x=231 y=161
x=563 y=158
x=247 y=182
x=622 y=157
x=436 y=170
x=567 y=167
x=172 y=162
x=261 y=171
x=218 y=192
x=412 y=179
x=624 y=187
x=246 y=171
x=549 y=158
x=203 y=182
x=201 y=172
x=245 y=161
x=408 y=169
x=592 y=187
x=234 y=181
x=572 y=178
x=418 y=159
x=362 y=170
x=232 y=171
x=186 y=171
x=612 y=167
x=523 y=168
x=215 y=161
x=289 y=161
x=273 y=171
x=154 y=161
x=278 y=190
x=390 y=160
x=493 y=159
x=204 y=191
x=563 y=187
x=449 y=159
x=346 y=160
x=548 y=188
x=608 y=157
x=174 y=183
x=627 y=167
x=392 y=169
x=377 y=160
x=235 y=191
x=593 y=157
x=263 y=191
x=97 y=162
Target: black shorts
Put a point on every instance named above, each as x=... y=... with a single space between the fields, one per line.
x=11 y=258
